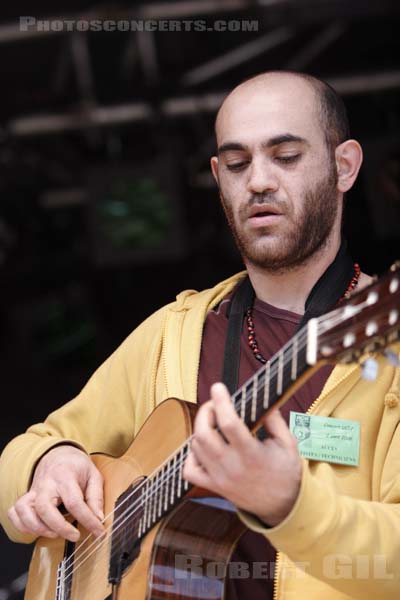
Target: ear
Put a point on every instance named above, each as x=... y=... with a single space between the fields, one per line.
x=348 y=162
x=214 y=167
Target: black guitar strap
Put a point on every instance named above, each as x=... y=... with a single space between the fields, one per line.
x=242 y=299
x=325 y=294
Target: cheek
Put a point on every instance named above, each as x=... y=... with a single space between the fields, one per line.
x=230 y=186
x=233 y=191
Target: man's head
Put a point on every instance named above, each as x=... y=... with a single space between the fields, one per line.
x=284 y=162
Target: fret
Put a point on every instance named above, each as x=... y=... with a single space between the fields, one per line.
x=180 y=473
x=145 y=501
x=243 y=405
x=154 y=498
x=280 y=374
x=160 y=492
x=166 y=493
x=173 y=480
x=254 y=399
x=266 y=384
x=295 y=345
x=150 y=501
x=185 y=482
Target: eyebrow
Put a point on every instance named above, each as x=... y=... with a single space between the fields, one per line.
x=271 y=143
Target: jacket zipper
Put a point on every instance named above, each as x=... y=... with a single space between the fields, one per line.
x=163 y=356
x=278 y=561
x=311 y=408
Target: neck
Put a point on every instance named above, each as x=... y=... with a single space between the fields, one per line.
x=289 y=289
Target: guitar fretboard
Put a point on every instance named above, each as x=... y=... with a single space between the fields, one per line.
x=161 y=492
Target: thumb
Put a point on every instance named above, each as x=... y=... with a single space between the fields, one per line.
x=94 y=493
x=277 y=428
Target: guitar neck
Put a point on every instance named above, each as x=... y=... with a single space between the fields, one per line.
x=272 y=383
x=274 y=380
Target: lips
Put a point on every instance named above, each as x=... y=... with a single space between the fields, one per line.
x=264 y=216
x=263 y=211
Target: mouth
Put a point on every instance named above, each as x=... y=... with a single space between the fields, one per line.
x=264 y=211
x=263 y=216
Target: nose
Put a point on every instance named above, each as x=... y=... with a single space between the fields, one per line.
x=262 y=178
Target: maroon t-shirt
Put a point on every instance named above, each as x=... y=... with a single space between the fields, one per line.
x=273 y=328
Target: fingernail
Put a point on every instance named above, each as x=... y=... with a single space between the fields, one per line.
x=74 y=536
x=99 y=533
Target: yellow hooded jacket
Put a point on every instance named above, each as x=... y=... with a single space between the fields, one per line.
x=342 y=537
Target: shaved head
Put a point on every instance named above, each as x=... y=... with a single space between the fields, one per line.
x=328 y=106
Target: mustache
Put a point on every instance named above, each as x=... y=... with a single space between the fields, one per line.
x=264 y=198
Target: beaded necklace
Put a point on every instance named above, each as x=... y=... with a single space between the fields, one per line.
x=251 y=334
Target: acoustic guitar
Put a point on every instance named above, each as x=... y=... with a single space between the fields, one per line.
x=157 y=525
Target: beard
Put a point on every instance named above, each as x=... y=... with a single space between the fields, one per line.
x=308 y=235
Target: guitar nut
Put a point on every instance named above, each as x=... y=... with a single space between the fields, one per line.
x=392 y=399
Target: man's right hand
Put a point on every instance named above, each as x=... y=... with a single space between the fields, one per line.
x=65 y=475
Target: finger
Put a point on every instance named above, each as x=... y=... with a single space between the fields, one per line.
x=75 y=504
x=195 y=473
x=72 y=497
x=230 y=424
x=276 y=426
x=47 y=511
x=25 y=519
x=207 y=441
x=94 y=493
x=205 y=424
x=205 y=418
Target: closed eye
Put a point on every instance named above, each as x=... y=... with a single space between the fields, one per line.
x=288 y=159
x=237 y=166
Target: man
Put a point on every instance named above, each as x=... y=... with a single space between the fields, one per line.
x=284 y=163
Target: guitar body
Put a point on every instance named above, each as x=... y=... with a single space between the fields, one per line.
x=184 y=556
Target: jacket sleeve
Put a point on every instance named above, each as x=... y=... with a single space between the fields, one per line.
x=327 y=531
x=104 y=417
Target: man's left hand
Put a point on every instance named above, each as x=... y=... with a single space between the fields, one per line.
x=262 y=478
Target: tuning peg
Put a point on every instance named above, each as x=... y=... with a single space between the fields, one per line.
x=392 y=357
x=369 y=369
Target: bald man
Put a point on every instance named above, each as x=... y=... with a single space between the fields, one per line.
x=284 y=162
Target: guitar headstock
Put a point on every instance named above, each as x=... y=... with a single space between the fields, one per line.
x=367 y=322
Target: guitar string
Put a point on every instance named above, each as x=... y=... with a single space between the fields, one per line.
x=257 y=376
x=152 y=493
x=166 y=476
x=249 y=395
x=273 y=370
x=237 y=400
x=325 y=318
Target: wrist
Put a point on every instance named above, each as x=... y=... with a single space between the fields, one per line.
x=283 y=508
